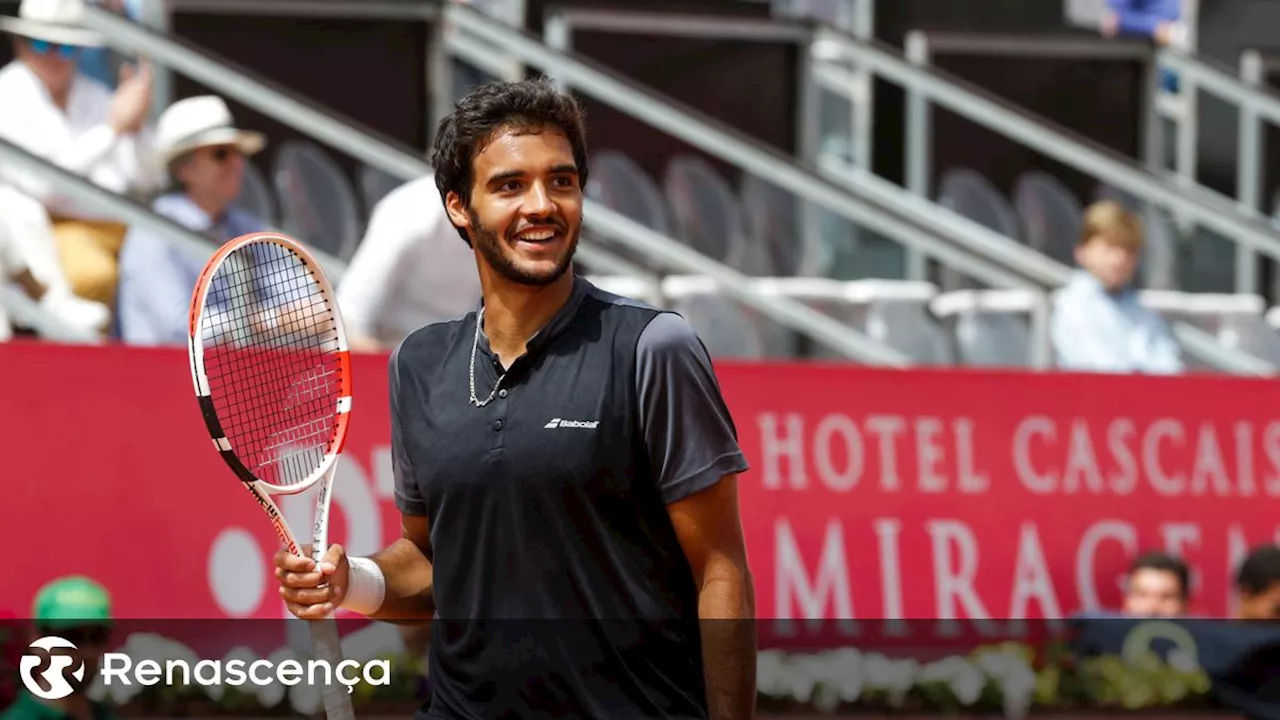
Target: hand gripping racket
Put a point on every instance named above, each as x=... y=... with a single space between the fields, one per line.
x=273 y=379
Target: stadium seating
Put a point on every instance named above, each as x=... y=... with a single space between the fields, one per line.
x=317 y=202
x=794 y=248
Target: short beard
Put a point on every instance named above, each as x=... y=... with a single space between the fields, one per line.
x=490 y=246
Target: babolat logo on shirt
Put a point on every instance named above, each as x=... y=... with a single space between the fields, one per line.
x=557 y=422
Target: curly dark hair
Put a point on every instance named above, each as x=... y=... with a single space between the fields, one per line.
x=1260 y=570
x=525 y=106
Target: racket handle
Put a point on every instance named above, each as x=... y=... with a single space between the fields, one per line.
x=328 y=647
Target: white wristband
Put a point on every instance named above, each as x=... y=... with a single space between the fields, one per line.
x=366 y=586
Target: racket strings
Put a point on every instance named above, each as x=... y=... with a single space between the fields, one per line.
x=272 y=359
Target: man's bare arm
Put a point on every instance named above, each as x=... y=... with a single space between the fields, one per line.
x=406 y=566
x=313 y=592
x=710 y=532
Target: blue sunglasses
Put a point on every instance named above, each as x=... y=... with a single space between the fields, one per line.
x=44 y=47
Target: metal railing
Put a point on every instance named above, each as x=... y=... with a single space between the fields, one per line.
x=29 y=314
x=921 y=48
x=868 y=201
x=927 y=85
x=1242 y=220
x=1202 y=205
x=953 y=239
x=1256 y=104
x=341 y=133
x=897 y=213
x=285 y=107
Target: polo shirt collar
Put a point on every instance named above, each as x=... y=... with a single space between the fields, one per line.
x=555 y=327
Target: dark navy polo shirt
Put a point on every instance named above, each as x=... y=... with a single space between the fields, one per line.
x=561 y=589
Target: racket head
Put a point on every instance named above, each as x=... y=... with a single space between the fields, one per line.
x=270 y=362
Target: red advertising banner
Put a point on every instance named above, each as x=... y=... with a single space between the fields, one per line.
x=872 y=494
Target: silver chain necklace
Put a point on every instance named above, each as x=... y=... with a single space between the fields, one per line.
x=475 y=345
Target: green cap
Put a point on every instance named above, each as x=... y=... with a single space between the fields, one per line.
x=71 y=601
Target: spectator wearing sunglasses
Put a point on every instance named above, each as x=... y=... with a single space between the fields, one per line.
x=198 y=141
x=78 y=610
x=57 y=113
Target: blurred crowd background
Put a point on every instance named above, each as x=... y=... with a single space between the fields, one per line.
x=1122 y=238
x=1064 y=264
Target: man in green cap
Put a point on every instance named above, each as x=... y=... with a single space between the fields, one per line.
x=78 y=610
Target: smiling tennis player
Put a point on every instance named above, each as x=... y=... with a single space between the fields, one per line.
x=565 y=465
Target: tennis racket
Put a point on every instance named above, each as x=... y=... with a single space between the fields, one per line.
x=273 y=379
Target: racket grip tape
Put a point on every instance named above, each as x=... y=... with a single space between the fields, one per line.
x=327 y=647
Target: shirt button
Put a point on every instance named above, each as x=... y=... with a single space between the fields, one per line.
x=497 y=425
x=502 y=393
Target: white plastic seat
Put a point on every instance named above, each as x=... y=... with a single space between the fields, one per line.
x=727 y=329
x=891 y=312
x=991 y=327
x=822 y=294
x=629 y=286
x=1236 y=320
x=896 y=313
x=1273 y=317
x=1199 y=309
x=317 y=203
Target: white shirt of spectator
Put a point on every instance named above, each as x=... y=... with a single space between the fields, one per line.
x=79 y=140
x=411 y=269
x=1097 y=331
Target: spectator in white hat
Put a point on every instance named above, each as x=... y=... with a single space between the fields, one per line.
x=55 y=112
x=205 y=152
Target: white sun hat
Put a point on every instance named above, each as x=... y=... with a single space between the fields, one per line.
x=55 y=21
x=200 y=122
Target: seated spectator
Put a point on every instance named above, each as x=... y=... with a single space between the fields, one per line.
x=1159 y=585
x=411 y=269
x=1160 y=20
x=205 y=153
x=77 y=610
x=1098 y=324
x=1258 y=584
x=54 y=112
x=22 y=220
